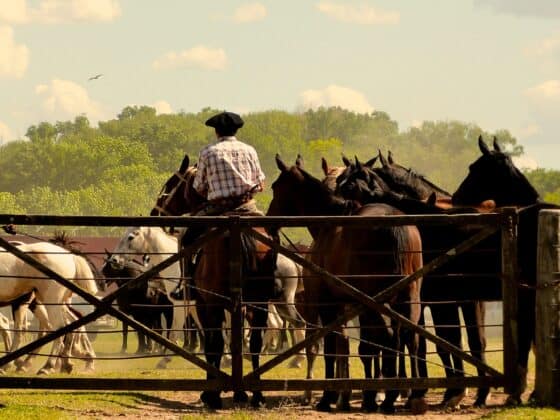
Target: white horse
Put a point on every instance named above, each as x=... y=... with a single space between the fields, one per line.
x=159 y=245
x=20 y=278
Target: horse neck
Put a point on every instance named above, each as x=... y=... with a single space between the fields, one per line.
x=160 y=242
x=414 y=185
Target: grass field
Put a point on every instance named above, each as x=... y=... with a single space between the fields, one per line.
x=28 y=404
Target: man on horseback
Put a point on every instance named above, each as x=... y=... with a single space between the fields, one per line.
x=228 y=174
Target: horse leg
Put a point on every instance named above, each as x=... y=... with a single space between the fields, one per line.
x=446 y=323
x=57 y=316
x=258 y=325
x=20 y=318
x=177 y=323
x=391 y=344
x=369 y=351
x=526 y=337
x=124 y=345
x=328 y=314
x=473 y=314
x=212 y=318
x=290 y=314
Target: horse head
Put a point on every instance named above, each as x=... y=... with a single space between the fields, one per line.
x=360 y=182
x=177 y=196
x=493 y=176
x=296 y=193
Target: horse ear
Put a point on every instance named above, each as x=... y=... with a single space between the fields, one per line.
x=390 y=158
x=324 y=166
x=281 y=165
x=346 y=161
x=497 y=147
x=383 y=160
x=483 y=146
x=184 y=164
x=432 y=199
x=358 y=163
x=371 y=162
x=299 y=161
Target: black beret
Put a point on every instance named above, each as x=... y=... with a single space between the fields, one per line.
x=225 y=122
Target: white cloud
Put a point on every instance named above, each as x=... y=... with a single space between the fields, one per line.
x=525 y=162
x=545 y=47
x=334 y=95
x=59 y=11
x=249 y=12
x=65 y=99
x=549 y=90
x=5 y=133
x=363 y=14
x=529 y=130
x=162 y=107
x=14 y=58
x=197 y=57
x=535 y=8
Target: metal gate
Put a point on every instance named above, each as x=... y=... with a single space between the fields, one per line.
x=505 y=221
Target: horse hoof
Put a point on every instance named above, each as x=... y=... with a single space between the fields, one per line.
x=211 y=400
x=343 y=406
x=258 y=400
x=380 y=397
x=388 y=408
x=418 y=406
x=45 y=371
x=453 y=402
x=240 y=397
x=162 y=364
x=368 y=402
x=307 y=398
x=67 y=369
x=513 y=401
x=323 y=405
x=295 y=363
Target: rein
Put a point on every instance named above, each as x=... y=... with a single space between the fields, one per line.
x=186 y=177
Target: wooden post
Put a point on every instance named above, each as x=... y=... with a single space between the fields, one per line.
x=509 y=298
x=236 y=335
x=547 y=381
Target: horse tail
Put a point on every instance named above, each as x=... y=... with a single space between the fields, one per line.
x=84 y=276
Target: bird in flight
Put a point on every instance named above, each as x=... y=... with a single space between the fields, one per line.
x=97 y=76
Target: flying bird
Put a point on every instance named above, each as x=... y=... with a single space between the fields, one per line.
x=97 y=76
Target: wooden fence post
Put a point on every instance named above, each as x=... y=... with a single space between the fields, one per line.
x=236 y=335
x=509 y=299
x=547 y=381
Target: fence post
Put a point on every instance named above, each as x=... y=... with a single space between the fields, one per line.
x=236 y=335
x=547 y=381
x=509 y=223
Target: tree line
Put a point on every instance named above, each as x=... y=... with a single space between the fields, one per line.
x=117 y=168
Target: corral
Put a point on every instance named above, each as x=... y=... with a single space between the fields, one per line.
x=496 y=373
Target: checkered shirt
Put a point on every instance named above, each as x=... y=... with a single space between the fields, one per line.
x=228 y=168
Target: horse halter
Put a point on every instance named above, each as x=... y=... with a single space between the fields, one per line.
x=166 y=197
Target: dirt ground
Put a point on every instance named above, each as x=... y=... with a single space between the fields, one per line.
x=176 y=405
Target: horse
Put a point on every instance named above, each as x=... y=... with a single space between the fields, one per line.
x=19 y=278
x=159 y=245
x=136 y=303
x=351 y=251
x=366 y=184
x=211 y=279
x=493 y=176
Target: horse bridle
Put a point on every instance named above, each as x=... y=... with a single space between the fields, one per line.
x=190 y=172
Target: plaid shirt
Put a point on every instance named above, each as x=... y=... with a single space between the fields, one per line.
x=228 y=168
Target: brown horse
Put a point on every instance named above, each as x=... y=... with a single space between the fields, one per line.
x=352 y=251
x=211 y=280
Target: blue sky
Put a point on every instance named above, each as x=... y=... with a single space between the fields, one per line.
x=492 y=62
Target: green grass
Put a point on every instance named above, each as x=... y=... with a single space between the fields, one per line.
x=528 y=413
x=30 y=404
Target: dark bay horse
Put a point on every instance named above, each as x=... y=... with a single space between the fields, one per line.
x=135 y=301
x=352 y=251
x=211 y=280
x=403 y=188
x=493 y=176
